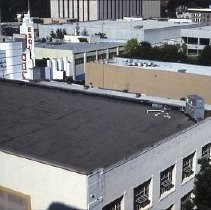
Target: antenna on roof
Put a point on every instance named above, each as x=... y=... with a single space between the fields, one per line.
x=29 y=14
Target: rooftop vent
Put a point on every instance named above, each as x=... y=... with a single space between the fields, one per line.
x=195 y=107
x=182 y=70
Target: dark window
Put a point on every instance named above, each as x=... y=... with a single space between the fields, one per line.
x=206 y=151
x=115 y=205
x=184 y=200
x=192 y=40
x=79 y=61
x=91 y=58
x=101 y=56
x=187 y=167
x=170 y=207
x=184 y=39
x=204 y=41
x=111 y=55
x=166 y=181
x=141 y=195
x=192 y=52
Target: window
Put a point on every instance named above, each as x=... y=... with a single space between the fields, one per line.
x=91 y=58
x=141 y=195
x=115 y=205
x=79 y=61
x=187 y=167
x=206 y=151
x=185 y=199
x=13 y=200
x=192 y=52
x=166 y=181
x=102 y=56
x=192 y=40
x=170 y=207
x=204 y=41
x=185 y=39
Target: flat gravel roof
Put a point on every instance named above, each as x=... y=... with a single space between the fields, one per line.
x=76 y=131
x=79 y=47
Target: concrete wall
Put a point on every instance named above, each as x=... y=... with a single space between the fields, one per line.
x=44 y=184
x=151 y=8
x=151 y=82
x=157 y=35
x=12 y=62
x=123 y=178
x=41 y=53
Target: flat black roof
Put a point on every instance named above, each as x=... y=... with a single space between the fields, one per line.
x=78 y=131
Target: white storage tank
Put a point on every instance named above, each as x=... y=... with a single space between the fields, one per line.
x=65 y=61
x=60 y=64
x=49 y=63
x=54 y=65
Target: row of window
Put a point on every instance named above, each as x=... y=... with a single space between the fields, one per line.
x=93 y=58
x=142 y=194
x=117 y=204
x=192 y=40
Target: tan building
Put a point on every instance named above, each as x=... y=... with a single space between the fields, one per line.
x=151 y=80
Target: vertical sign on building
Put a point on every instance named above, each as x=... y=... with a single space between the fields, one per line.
x=30 y=40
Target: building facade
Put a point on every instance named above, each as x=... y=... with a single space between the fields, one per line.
x=11 y=60
x=102 y=165
x=71 y=57
x=85 y=10
x=201 y=15
x=160 y=80
x=196 y=39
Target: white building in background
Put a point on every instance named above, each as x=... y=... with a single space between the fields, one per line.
x=201 y=15
x=10 y=60
x=196 y=39
x=86 y=152
x=153 y=31
x=86 y=10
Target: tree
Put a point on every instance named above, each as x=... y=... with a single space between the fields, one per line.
x=52 y=34
x=202 y=190
x=131 y=48
x=205 y=57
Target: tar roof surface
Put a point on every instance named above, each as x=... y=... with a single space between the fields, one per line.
x=77 y=131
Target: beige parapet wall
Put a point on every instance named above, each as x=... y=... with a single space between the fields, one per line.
x=174 y=85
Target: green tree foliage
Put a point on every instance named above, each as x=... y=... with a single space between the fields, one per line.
x=144 y=50
x=131 y=48
x=202 y=188
x=58 y=35
x=52 y=34
x=205 y=57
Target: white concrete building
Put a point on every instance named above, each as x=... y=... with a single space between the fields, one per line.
x=70 y=58
x=86 y=10
x=83 y=152
x=196 y=39
x=153 y=31
x=200 y=15
x=10 y=60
